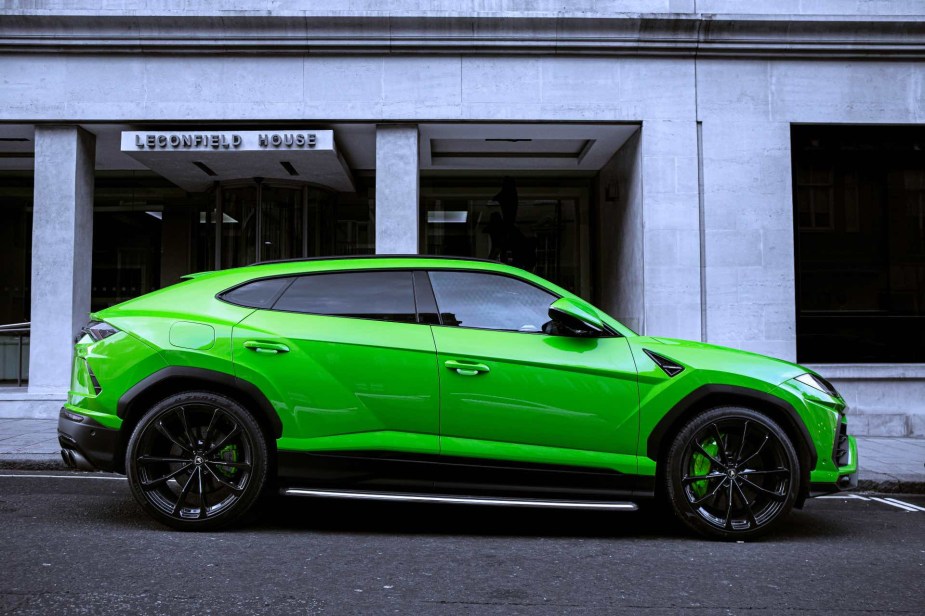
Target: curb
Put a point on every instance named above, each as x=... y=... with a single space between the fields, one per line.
x=891 y=484
x=880 y=483
x=32 y=462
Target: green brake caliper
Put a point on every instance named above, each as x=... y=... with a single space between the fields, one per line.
x=700 y=465
x=228 y=453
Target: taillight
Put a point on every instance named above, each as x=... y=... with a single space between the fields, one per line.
x=99 y=330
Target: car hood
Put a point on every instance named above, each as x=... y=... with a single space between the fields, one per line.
x=719 y=359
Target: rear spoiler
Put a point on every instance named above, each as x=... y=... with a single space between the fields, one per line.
x=194 y=275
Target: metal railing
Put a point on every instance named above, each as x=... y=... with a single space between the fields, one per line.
x=20 y=331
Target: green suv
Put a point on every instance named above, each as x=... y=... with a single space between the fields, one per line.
x=437 y=380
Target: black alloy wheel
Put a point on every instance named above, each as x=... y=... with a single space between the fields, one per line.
x=732 y=473
x=197 y=461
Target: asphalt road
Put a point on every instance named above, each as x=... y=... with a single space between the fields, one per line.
x=81 y=546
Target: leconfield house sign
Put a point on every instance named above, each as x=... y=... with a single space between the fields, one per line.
x=196 y=159
x=247 y=140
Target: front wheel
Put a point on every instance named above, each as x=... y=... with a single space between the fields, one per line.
x=197 y=461
x=732 y=473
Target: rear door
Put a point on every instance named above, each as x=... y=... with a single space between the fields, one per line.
x=344 y=360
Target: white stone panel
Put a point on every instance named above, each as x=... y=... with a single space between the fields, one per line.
x=397 y=189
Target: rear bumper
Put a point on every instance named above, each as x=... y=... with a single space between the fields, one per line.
x=85 y=443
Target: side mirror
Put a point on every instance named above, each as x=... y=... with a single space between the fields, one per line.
x=570 y=318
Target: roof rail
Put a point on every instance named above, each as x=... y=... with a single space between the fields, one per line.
x=345 y=257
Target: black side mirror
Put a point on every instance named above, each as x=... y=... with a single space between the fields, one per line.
x=570 y=319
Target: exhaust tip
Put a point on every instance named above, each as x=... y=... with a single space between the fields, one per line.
x=76 y=460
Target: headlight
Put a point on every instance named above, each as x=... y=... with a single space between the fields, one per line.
x=817 y=382
x=99 y=330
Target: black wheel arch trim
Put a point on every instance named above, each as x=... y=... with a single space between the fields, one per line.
x=696 y=397
x=222 y=379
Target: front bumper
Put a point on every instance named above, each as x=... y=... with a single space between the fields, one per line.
x=845 y=478
x=86 y=444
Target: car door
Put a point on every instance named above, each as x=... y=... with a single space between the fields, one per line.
x=508 y=391
x=344 y=360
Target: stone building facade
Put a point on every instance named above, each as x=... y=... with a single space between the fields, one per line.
x=748 y=174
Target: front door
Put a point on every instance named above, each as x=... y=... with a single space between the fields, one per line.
x=510 y=392
x=345 y=362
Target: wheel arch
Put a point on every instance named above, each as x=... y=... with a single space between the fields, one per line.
x=175 y=379
x=712 y=396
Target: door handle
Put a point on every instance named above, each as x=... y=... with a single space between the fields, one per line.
x=465 y=368
x=266 y=347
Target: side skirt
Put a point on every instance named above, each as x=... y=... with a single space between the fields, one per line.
x=386 y=472
x=465 y=500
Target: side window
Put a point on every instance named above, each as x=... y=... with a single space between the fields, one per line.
x=488 y=301
x=256 y=294
x=383 y=296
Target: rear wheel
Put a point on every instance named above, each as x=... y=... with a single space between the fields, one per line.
x=732 y=473
x=197 y=461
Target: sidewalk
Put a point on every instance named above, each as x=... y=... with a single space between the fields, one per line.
x=887 y=464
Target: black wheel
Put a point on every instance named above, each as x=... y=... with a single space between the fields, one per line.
x=197 y=461
x=732 y=473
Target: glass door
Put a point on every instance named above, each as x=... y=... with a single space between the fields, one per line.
x=281 y=223
x=239 y=225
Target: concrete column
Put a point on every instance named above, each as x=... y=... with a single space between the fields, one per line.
x=62 y=242
x=671 y=229
x=748 y=224
x=397 y=189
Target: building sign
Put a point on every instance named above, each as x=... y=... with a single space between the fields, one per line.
x=185 y=141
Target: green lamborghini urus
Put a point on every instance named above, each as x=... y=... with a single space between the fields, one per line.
x=437 y=380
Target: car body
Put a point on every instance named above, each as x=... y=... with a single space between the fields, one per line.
x=425 y=377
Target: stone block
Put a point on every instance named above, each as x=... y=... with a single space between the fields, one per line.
x=883 y=424
x=659 y=174
x=736 y=90
x=350 y=79
x=850 y=92
x=739 y=248
x=501 y=80
x=917 y=426
x=425 y=81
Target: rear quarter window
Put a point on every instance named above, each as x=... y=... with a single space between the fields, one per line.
x=257 y=293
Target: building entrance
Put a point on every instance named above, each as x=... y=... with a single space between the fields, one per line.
x=535 y=224
x=267 y=220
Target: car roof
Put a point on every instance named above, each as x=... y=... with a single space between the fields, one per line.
x=367 y=262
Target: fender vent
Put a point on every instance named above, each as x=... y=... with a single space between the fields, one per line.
x=669 y=367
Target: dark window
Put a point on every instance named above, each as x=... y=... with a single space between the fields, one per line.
x=859 y=200
x=488 y=301
x=257 y=294
x=384 y=296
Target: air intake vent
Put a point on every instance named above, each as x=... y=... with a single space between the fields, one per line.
x=669 y=367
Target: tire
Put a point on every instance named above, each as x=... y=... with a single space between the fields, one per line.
x=750 y=482
x=197 y=461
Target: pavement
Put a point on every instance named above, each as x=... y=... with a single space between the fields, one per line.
x=887 y=464
x=77 y=543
